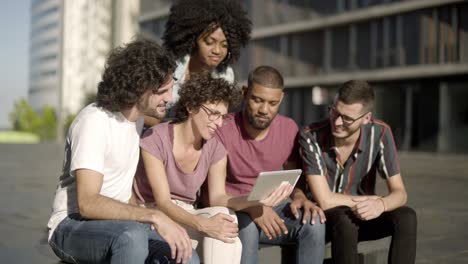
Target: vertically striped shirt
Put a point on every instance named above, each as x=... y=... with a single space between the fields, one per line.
x=374 y=153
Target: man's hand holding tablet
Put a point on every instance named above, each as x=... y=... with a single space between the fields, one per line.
x=278 y=194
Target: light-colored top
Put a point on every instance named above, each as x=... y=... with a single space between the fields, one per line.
x=181 y=70
x=102 y=141
x=248 y=157
x=159 y=142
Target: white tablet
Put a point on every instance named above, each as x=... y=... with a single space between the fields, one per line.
x=270 y=180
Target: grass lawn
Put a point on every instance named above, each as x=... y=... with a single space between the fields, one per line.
x=18 y=137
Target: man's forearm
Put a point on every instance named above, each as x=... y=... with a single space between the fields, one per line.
x=236 y=203
x=101 y=207
x=339 y=199
x=394 y=200
x=181 y=216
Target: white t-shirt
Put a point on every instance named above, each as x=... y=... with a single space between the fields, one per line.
x=102 y=141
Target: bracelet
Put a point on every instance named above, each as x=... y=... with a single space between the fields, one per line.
x=384 y=206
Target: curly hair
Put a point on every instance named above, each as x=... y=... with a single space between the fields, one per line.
x=202 y=88
x=132 y=70
x=190 y=19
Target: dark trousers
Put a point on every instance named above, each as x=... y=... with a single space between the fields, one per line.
x=345 y=230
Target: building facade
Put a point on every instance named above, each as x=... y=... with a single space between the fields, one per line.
x=70 y=41
x=414 y=52
x=45 y=43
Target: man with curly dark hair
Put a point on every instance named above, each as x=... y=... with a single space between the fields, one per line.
x=95 y=217
x=178 y=157
x=205 y=36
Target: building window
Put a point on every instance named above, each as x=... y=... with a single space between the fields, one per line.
x=307 y=50
x=363 y=46
x=340 y=48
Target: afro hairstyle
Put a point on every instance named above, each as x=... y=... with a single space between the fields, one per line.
x=189 y=19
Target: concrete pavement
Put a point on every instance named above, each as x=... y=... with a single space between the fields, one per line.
x=437 y=186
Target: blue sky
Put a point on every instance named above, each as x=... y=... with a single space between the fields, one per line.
x=14 y=50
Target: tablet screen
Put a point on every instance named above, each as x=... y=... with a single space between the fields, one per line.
x=270 y=180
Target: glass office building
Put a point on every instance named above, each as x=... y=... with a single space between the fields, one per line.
x=413 y=52
x=70 y=41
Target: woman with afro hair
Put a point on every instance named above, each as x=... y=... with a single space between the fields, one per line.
x=206 y=36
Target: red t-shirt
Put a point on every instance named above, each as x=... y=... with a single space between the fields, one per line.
x=248 y=157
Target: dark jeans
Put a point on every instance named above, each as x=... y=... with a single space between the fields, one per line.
x=344 y=230
x=110 y=241
x=308 y=239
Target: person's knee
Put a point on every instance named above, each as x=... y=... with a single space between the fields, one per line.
x=340 y=215
x=314 y=233
x=405 y=219
x=217 y=251
x=223 y=210
x=342 y=221
x=133 y=240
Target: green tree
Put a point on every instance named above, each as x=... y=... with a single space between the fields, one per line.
x=24 y=118
x=48 y=128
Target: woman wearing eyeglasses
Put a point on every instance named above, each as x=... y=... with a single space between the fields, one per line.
x=178 y=157
x=205 y=36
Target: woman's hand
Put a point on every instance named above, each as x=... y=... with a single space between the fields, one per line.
x=221 y=226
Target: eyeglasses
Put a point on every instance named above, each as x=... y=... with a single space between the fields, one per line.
x=347 y=120
x=214 y=115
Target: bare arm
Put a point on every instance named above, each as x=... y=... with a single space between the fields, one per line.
x=220 y=226
x=157 y=178
x=326 y=198
x=397 y=196
x=219 y=197
x=260 y=211
x=93 y=205
x=367 y=209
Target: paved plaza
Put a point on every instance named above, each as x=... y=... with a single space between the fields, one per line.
x=437 y=186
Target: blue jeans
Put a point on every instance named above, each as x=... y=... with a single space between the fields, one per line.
x=308 y=239
x=110 y=241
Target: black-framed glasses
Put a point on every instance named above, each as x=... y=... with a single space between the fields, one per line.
x=214 y=115
x=347 y=120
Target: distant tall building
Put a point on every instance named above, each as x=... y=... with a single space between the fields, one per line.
x=70 y=41
x=414 y=52
x=45 y=53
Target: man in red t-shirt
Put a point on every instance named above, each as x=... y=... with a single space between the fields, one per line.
x=258 y=139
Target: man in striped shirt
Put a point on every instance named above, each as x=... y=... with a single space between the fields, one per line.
x=341 y=157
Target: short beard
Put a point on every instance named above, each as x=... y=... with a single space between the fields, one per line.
x=143 y=107
x=258 y=125
x=156 y=114
x=350 y=133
